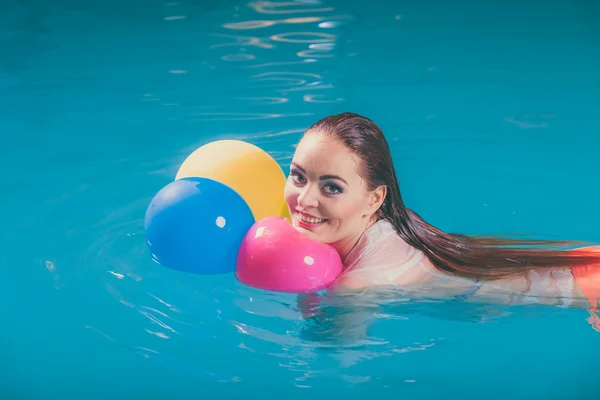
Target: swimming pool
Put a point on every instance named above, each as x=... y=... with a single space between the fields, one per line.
x=492 y=112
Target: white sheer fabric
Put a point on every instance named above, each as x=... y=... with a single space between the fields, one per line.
x=381 y=258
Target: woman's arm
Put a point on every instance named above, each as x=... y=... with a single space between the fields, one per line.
x=544 y=287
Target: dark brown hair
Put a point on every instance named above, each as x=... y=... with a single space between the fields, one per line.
x=478 y=257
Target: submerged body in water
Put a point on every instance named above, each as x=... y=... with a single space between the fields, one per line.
x=383 y=261
x=343 y=190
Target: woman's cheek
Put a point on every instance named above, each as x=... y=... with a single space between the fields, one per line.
x=290 y=194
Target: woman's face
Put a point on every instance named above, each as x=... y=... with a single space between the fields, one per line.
x=326 y=197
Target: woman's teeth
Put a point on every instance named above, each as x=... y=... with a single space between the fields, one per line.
x=311 y=220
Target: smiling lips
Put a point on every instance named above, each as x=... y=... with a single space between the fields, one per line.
x=309 y=219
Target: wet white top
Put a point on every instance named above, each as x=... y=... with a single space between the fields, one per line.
x=381 y=258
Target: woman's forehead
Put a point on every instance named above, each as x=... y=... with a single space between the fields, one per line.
x=325 y=156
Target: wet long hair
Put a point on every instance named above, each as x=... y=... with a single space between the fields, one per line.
x=475 y=257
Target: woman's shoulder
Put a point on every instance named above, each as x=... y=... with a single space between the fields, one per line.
x=381 y=234
x=379 y=250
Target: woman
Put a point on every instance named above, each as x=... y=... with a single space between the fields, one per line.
x=342 y=190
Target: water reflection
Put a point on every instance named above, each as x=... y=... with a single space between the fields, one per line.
x=318 y=98
x=242 y=41
x=257 y=24
x=230 y=116
x=281 y=63
x=265 y=100
x=304 y=37
x=344 y=339
x=288 y=7
x=289 y=81
x=530 y=121
x=315 y=53
x=285 y=82
x=284 y=66
x=238 y=57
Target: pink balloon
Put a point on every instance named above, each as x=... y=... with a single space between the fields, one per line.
x=275 y=256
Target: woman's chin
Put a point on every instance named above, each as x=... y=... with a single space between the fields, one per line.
x=306 y=232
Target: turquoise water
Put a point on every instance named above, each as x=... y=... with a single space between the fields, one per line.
x=491 y=109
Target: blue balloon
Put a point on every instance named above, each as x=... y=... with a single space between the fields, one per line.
x=197 y=225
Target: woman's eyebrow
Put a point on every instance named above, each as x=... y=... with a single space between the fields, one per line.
x=323 y=177
x=297 y=166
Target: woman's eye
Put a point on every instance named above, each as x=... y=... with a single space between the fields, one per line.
x=297 y=177
x=332 y=189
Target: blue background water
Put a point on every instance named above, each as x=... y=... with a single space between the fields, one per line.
x=491 y=108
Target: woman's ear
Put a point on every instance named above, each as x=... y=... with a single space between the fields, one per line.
x=376 y=199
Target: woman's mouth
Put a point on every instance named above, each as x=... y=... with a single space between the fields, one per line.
x=310 y=220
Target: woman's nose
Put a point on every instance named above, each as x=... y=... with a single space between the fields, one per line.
x=308 y=198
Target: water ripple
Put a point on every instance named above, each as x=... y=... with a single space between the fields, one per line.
x=286 y=7
x=232 y=116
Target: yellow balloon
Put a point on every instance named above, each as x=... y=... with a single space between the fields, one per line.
x=245 y=168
